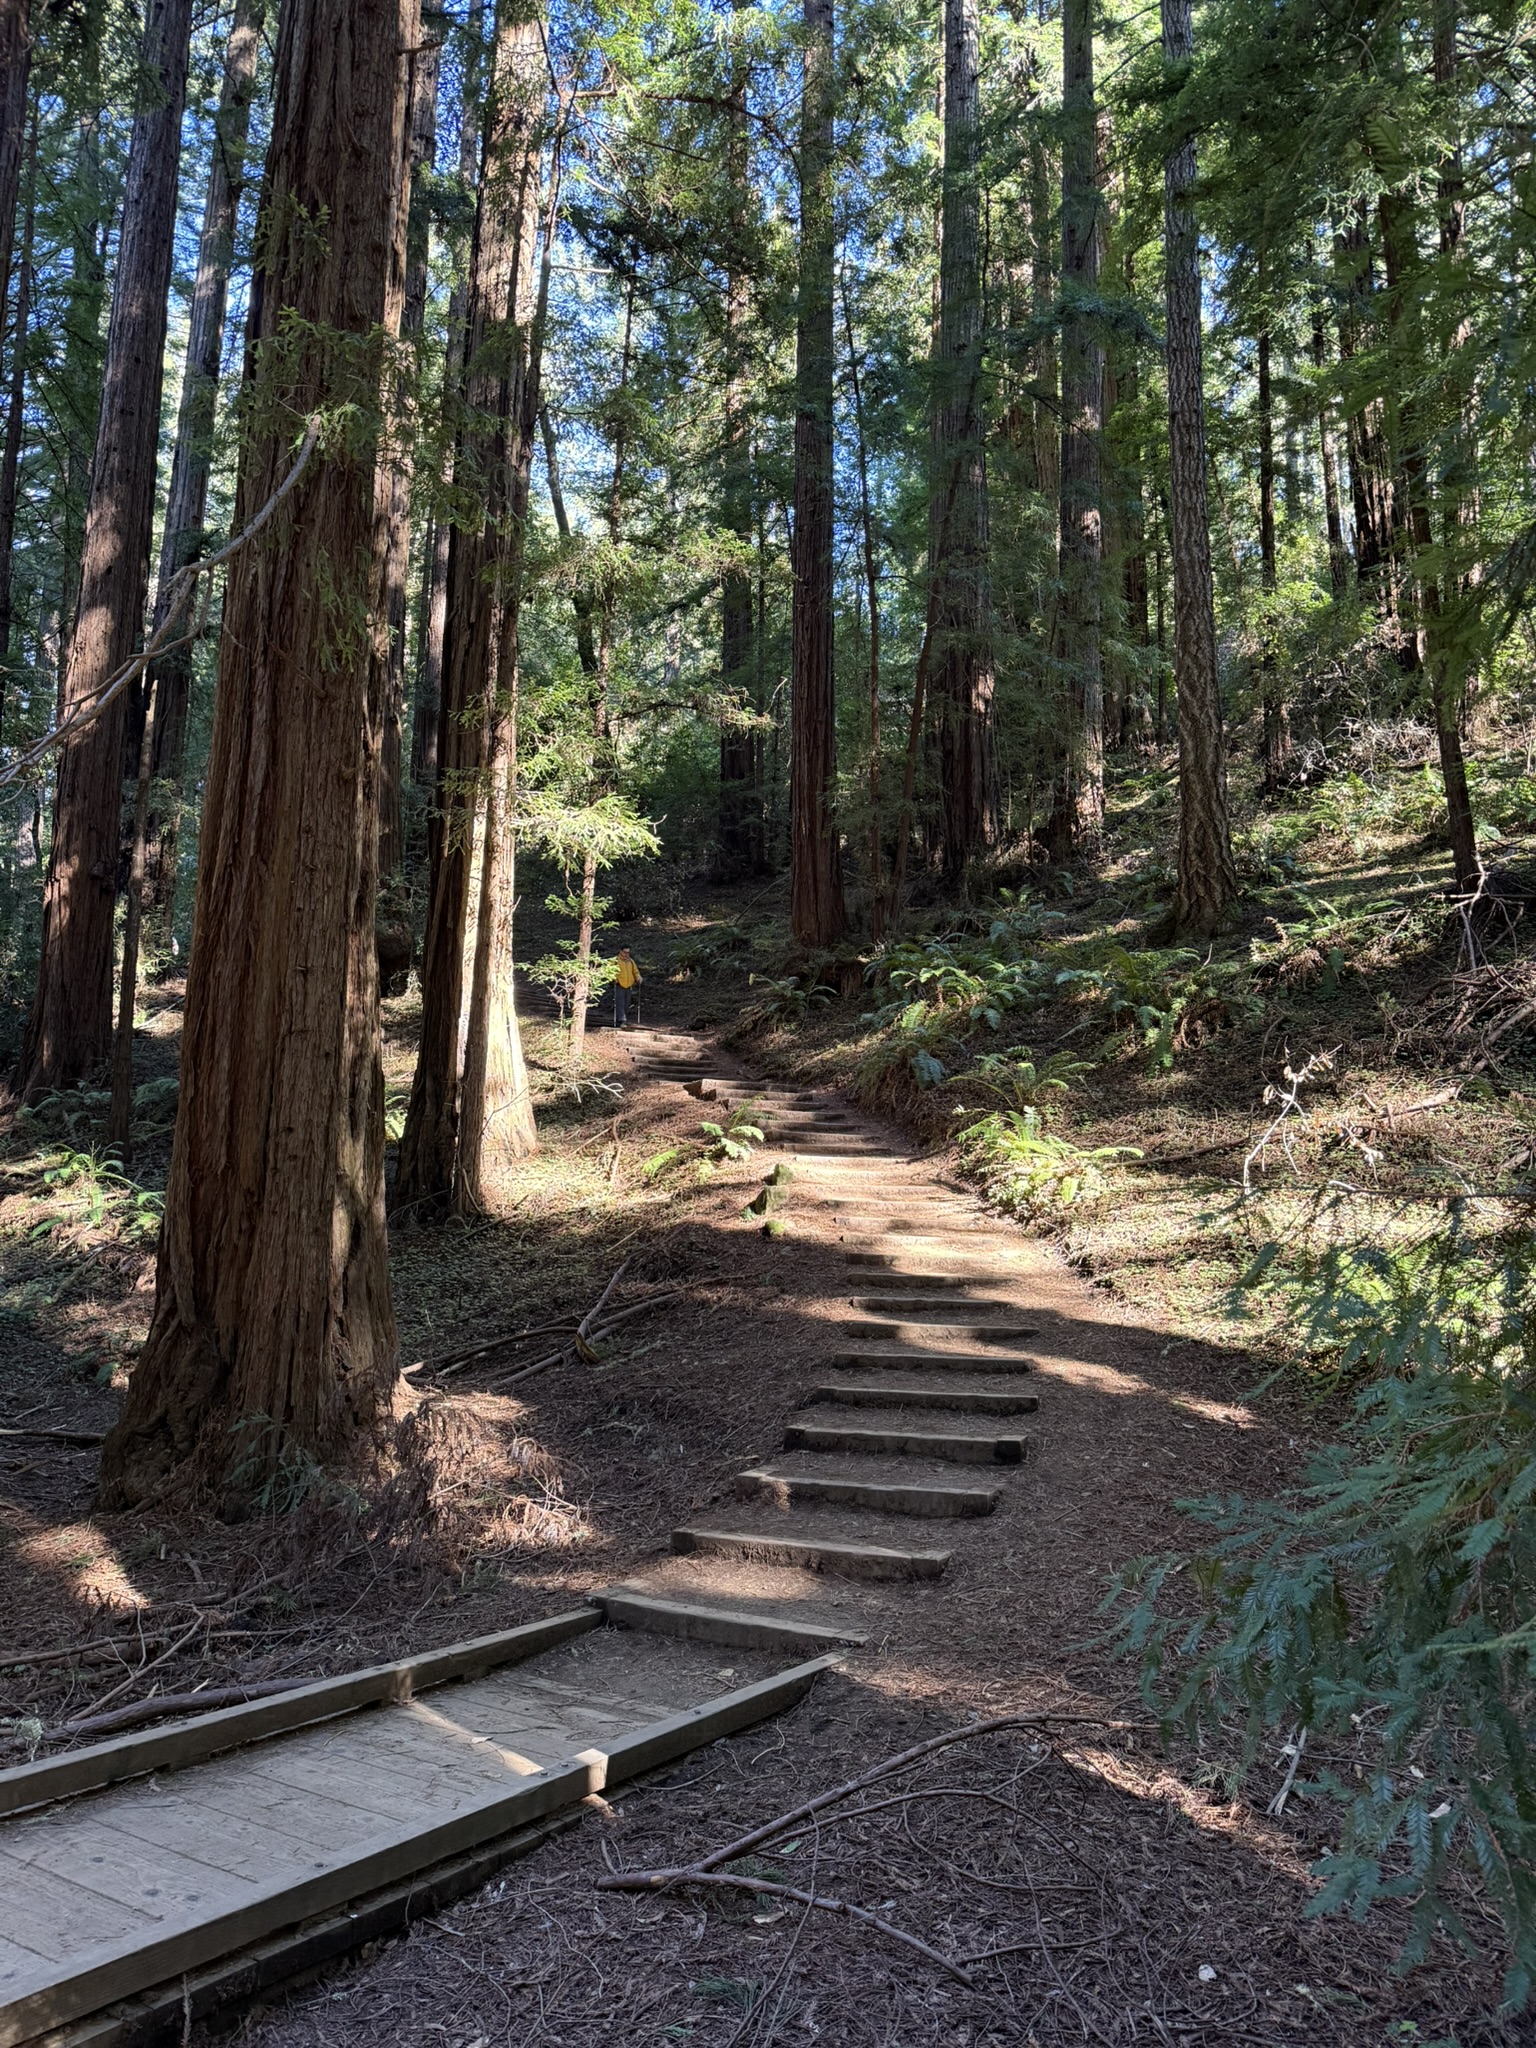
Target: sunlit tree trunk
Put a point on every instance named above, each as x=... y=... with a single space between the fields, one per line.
x=70 y=1027
x=399 y=474
x=273 y=1332
x=1338 y=551
x=815 y=865
x=736 y=840
x=1077 y=813
x=184 y=536
x=483 y=567
x=1207 y=876
x=963 y=679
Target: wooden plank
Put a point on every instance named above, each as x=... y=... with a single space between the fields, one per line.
x=55 y=1919
x=110 y=1975
x=717 y=1624
x=165 y=1749
x=239 y=1847
x=98 y=1858
x=650 y=1747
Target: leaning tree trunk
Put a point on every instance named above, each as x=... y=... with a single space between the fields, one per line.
x=482 y=561
x=70 y=1028
x=1077 y=811
x=273 y=1333
x=963 y=676
x=186 y=508
x=1207 y=875
x=815 y=868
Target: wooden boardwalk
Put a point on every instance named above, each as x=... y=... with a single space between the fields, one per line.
x=137 y=1863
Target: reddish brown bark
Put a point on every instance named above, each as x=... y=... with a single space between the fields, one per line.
x=70 y=1027
x=1277 y=726
x=815 y=866
x=15 y=67
x=273 y=1335
x=482 y=566
x=1207 y=875
x=15 y=411
x=186 y=507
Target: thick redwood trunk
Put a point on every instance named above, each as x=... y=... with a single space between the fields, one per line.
x=963 y=678
x=1077 y=814
x=184 y=535
x=815 y=866
x=483 y=566
x=15 y=67
x=15 y=416
x=70 y=1027
x=739 y=839
x=1207 y=877
x=273 y=1335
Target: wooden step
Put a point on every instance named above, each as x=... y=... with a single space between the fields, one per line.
x=918 y=1326
x=908 y=1443
x=626 y=1607
x=931 y=1502
x=816 y=1554
x=914 y=1358
x=898 y=1282
x=883 y=1394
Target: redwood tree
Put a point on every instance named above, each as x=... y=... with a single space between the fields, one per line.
x=1207 y=876
x=272 y=1331
x=963 y=678
x=815 y=869
x=186 y=508
x=70 y=1027
x=1077 y=814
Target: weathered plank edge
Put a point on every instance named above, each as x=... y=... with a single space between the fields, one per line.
x=288 y=1959
x=626 y=1607
x=658 y=1744
x=105 y=1763
x=125 y=1976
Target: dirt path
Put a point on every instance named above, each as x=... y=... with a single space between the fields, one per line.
x=1103 y=1892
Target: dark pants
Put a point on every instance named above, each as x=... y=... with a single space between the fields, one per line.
x=620 y=1005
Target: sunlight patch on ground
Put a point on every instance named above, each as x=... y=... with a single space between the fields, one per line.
x=80 y=1555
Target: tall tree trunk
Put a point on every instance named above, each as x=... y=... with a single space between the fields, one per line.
x=389 y=639
x=184 y=536
x=427 y=711
x=15 y=417
x=93 y=206
x=815 y=866
x=1134 y=590
x=1207 y=875
x=736 y=839
x=70 y=1027
x=877 y=903
x=273 y=1333
x=1077 y=812
x=15 y=68
x=482 y=560
x=963 y=676
x=1047 y=435
x=1277 y=728
x=1338 y=551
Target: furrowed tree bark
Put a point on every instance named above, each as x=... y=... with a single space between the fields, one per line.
x=69 y=1031
x=815 y=866
x=963 y=677
x=273 y=1335
x=1077 y=812
x=1277 y=727
x=15 y=69
x=15 y=417
x=738 y=840
x=1207 y=875
x=482 y=561
x=389 y=639
x=877 y=902
x=184 y=535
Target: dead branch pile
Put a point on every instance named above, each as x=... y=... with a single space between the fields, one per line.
x=1484 y=1014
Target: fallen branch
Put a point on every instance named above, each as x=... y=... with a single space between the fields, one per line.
x=455 y=1361
x=764 y=1889
x=592 y=1315
x=180 y=592
x=568 y=1353
x=82 y=1439
x=662 y=1880
x=171 y=1703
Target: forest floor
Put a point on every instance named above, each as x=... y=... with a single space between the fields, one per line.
x=1146 y=1896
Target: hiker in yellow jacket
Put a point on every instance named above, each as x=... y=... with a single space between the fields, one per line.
x=626 y=984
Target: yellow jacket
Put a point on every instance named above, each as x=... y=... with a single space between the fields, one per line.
x=629 y=974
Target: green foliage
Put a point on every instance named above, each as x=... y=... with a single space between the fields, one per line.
x=1031 y=1171
x=915 y=1046
x=974 y=982
x=92 y=1188
x=717 y=1143
x=1018 y=1082
x=706 y=951
x=781 y=1001
x=1384 y=1604
x=1163 y=1000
